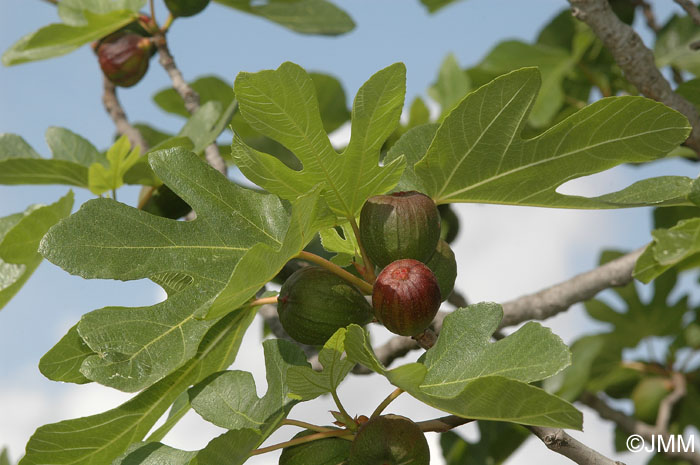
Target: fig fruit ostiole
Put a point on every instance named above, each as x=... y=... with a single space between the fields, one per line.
x=406 y=297
x=399 y=225
x=389 y=440
x=314 y=303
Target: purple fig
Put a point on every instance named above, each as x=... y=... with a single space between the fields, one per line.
x=124 y=57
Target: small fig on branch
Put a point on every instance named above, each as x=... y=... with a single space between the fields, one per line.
x=399 y=225
x=647 y=397
x=406 y=297
x=328 y=451
x=184 y=8
x=124 y=57
x=389 y=440
x=314 y=303
x=444 y=266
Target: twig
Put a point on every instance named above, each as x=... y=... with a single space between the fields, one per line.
x=116 y=112
x=635 y=59
x=189 y=96
x=649 y=16
x=559 y=441
x=302 y=440
x=690 y=8
x=539 y=306
x=663 y=417
x=442 y=424
x=634 y=426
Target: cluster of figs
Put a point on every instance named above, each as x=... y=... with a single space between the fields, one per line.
x=125 y=54
x=401 y=235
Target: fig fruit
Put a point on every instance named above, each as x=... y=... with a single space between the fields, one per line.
x=399 y=225
x=389 y=440
x=449 y=223
x=444 y=266
x=314 y=303
x=124 y=57
x=406 y=297
x=184 y=8
x=647 y=397
x=329 y=451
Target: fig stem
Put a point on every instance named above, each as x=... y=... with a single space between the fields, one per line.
x=168 y=22
x=301 y=440
x=303 y=424
x=263 y=301
x=114 y=194
x=368 y=266
x=361 y=284
x=348 y=419
x=389 y=399
x=153 y=11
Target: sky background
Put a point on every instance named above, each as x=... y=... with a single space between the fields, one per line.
x=502 y=251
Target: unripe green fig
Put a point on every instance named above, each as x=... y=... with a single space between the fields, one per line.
x=399 y=225
x=389 y=440
x=406 y=297
x=328 y=451
x=183 y=8
x=647 y=397
x=449 y=223
x=314 y=303
x=124 y=57
x=444 y=266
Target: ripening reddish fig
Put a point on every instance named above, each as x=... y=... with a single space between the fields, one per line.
x=406 y=297
x=124 y=57
x=399 y=225
x=314 y=303
x=183 y=8
x=389 y=440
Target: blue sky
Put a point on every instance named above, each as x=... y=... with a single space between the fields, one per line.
x=504 y=251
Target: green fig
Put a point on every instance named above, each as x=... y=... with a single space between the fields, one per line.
x=328 y=451
x=647 y=397
x=184 y=8
x=449 y=223
x=399 y=225
x=389 y=440
x=124 y=57
x=444 y=266
x=406 y=297
x=314 y=303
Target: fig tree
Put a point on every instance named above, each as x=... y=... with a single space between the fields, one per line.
x=328 y=451
x=406 y=297
x=399 y=225
x=124 y=57
x=183 y=8
x=389 y=440
x=314 y=303
x=444 y=266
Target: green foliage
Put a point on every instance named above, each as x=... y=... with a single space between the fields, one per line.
x=129 y=249
x=528 y=171
x=306 y=384
x=121 y=158
x=19 y=240
x=676 y=246
x=672 y=46
x=497 y=441
x=467 y=376
x=103 y=437
x=303 y=16
x=62 y=38
x=347 y=179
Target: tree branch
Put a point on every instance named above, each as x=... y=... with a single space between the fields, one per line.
x=539 y=306
x=116 y=112
x=559 y=441
x=635 y=60
x=634 y=426
x=663 y=417
x=189 y=96
x=690 y=8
